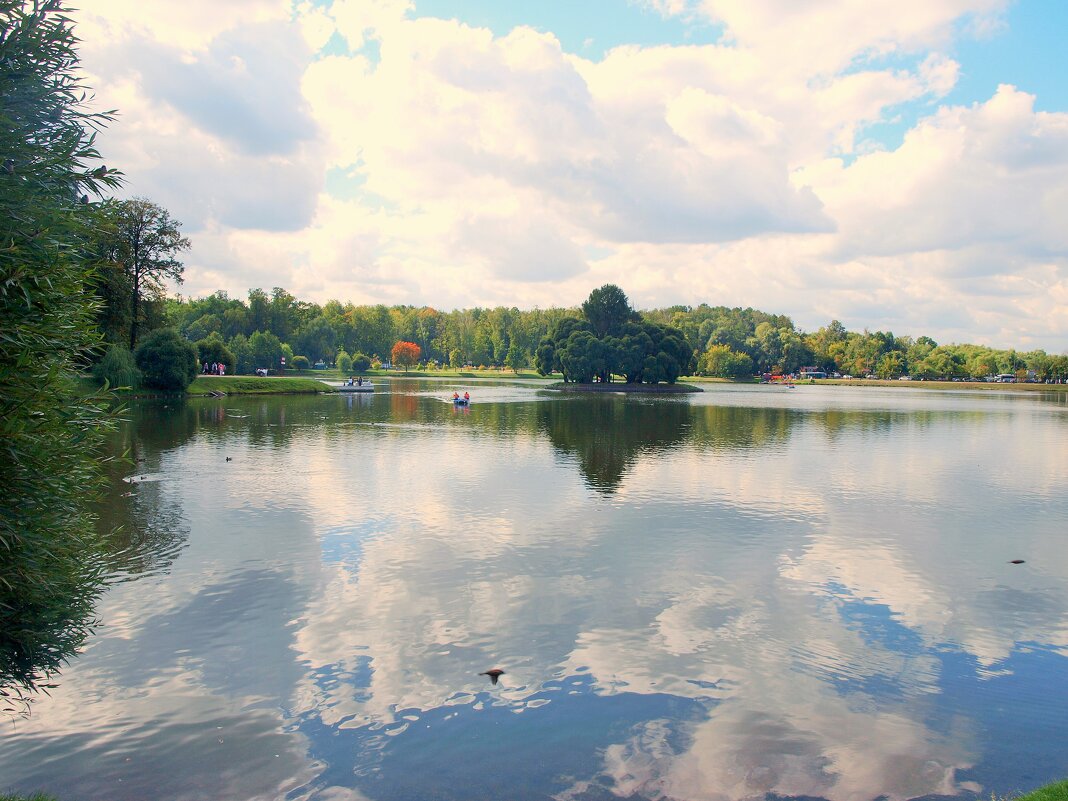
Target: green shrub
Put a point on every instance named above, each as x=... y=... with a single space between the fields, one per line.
x=301 y=363
x=361 y=362
x=167 y=361
x=344 y=362
x=213 y=350
x=118 y=369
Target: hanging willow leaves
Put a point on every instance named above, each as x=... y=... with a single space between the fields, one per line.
x=49 y=431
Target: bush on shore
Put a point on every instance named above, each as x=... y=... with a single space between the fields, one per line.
x=118 y=369
x=167 y=361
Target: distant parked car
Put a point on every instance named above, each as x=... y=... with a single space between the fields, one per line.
x=261 y=371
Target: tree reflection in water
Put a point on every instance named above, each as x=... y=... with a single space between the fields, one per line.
x=607 y=434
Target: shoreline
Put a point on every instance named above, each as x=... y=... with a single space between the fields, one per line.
x=982 y=386
x=207 y=386
x=636 y=389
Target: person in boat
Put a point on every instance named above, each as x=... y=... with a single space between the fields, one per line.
x=467 y=396
x=456 y=396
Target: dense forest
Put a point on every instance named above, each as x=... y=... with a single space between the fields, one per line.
x=729 y=342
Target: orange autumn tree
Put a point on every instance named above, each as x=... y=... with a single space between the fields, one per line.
x=406 y=354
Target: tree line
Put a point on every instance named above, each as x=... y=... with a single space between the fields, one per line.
x=265 y=327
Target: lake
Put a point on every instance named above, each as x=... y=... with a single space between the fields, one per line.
x=747 y=592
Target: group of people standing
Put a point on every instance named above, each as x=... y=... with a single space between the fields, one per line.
x=215 y=368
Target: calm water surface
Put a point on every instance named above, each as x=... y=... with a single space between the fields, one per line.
x=745 y=592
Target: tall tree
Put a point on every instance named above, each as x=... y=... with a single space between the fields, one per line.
x=608 y=310
x=406 y=354
x=142 y=240
x=48 y=432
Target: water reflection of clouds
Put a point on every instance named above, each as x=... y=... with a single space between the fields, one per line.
x=779 y=667
x=737 y=655
x=751 y=609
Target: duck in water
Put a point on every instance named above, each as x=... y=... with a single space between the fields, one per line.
x=493 y=674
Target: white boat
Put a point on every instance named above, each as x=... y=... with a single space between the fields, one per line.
x=366 y=386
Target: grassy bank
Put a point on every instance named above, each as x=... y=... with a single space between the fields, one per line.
x=622 y=386
x=981 y=385
x=873 y=382
x=254 y=385
x=336 y=375
x=1051 y=792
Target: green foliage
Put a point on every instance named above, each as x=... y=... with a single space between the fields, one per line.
x=344 y=362
x=213 y=350
x=547 y=359
x=300 y=363
x=167 y=360
x=1058 y=791
x=643 y=351
x=49 y=433
x=243 y=361
x=890 y=365
x=137 y=240
x=265 y=350
x=117 y=369
x=317 y=340
x=486 y=336
x=723 y=362
x=939 y=363
x=607 y=309
x=361 y=363
x=516 y=358
x=653 y=353
x=254 y=385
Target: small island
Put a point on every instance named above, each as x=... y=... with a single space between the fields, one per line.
x=621 y=386
x=612 y=339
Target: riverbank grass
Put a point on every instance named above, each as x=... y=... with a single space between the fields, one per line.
x=1051 y=792
x=334 y=374
x=622 y=386
x=254 y=385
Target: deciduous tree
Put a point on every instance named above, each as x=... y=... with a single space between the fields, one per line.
x=167 y=360
x=406 y=354
x=607 y=310
x=141 y=240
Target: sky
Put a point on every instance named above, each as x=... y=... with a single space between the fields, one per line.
x=896 y=166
